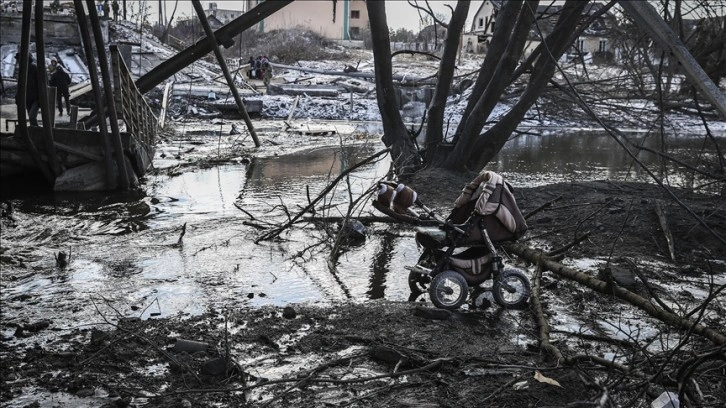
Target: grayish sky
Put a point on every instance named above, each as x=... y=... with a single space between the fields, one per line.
x=402 y=15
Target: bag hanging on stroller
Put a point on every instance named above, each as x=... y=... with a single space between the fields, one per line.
x=489 y=196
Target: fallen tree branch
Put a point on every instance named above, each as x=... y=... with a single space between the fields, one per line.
x=564 y=248
x=542 y=207
x=634 y=299
x=338 y=219
x=277 y=231
x=413 y=52
x=544 y=334
x=310 y=375
x=543 y=328
x=660 y=211
x=149 y=342
x=430 y=366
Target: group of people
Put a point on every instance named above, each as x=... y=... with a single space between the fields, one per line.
x=260 y=68
x=58 y=77
x=104 y=8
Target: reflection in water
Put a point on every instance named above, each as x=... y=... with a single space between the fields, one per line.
x=380 y=267
x=294 y=179
x=219 y=263
x=530 y=160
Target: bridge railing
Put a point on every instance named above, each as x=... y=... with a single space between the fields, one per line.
x=131 y=107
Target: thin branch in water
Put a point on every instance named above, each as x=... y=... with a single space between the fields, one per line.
x=276 y=232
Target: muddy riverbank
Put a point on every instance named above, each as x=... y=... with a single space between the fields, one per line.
x=397 y=353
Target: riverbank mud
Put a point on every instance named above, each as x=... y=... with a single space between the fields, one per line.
x=396 y=353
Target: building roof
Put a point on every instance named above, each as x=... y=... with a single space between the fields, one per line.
x=214 y=21
x=496 y=4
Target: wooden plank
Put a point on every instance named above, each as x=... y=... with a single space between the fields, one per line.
x=78 y=152
x=164 y=102
x=80 y=89
x=74 y=117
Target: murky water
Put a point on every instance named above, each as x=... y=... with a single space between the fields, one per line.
x=126 y=258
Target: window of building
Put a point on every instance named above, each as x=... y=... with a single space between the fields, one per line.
x=355 y=33
x=481 y=22
x=354 y=14
x=603 y=45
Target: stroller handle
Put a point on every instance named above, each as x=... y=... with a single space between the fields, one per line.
x=443 y=222
x=461 y=229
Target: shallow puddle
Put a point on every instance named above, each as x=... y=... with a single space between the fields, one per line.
x=126 y=257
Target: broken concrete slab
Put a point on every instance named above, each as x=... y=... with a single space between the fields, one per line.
x=309 y=90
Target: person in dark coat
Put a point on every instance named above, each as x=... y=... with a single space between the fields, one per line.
x=31 y=91
x=60 y=79
x=258 y=65
x=251 y=70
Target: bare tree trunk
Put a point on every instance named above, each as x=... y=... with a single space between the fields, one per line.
x=395 y=136
x=486 y=101
x=167 y=27
x=434 y=128
x=488 y=144
x=497 y=46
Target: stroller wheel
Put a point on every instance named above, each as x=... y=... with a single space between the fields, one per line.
x=418 y=282
x=448 y=290
x=512 y=289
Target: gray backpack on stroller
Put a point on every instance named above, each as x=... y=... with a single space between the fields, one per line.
x=491 y=198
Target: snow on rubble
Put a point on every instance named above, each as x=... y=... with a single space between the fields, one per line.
x=359 y=106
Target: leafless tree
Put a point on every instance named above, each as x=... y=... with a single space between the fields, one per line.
x=650 y=76
x=471 y=147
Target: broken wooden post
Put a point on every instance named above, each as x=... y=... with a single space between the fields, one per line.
x=222 y=64
x=110 y=103
x=292 y=110
x=43 y=91
x=73 y=117
x=164 y=103
x=85 y=36
x=21 y=99
x=51 y=102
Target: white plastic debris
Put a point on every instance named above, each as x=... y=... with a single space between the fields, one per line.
x=666 y=400
x=520 y=385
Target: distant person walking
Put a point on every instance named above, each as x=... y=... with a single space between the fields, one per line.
x=114 y=7
x=60 y=79
x=266 y=71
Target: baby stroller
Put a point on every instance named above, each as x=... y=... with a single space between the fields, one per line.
x=460 y=252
